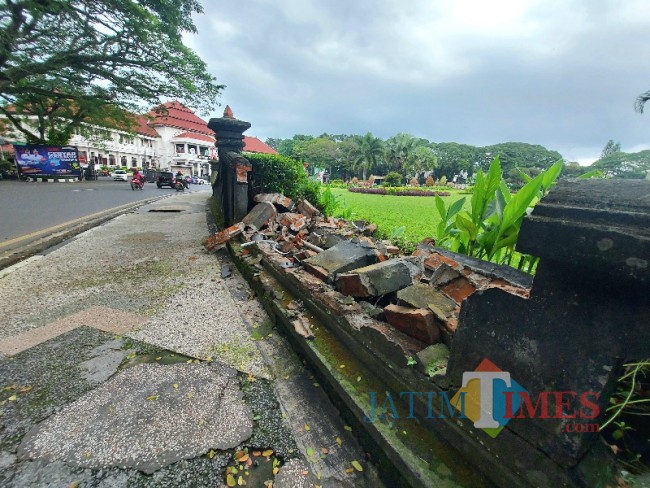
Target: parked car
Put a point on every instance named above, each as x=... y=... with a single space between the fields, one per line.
x=120 y=175
x=165 y=178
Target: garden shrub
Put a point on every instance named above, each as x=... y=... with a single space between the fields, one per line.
x=442 y=181
x=273 y=173
x=414 y=182
x=393 y=179
x=429 y=181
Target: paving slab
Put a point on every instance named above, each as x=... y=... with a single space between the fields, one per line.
x=146 y=417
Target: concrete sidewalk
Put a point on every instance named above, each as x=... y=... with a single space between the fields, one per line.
x=151 y=365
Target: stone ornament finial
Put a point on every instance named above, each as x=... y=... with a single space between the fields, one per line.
x=227 y=113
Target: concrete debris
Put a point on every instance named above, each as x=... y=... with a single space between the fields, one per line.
x=302 y=327
x=260 y=216
x=276 y=199
x=379 y=279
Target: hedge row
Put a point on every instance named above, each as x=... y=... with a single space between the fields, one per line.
x=401 y=193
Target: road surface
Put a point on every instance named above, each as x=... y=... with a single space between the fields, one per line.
x=26 y=208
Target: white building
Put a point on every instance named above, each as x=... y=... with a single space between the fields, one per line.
x=173 y=140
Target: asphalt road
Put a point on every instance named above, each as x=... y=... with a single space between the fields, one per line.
x=30 y=207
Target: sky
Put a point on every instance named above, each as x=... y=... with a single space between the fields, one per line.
x=560 y=73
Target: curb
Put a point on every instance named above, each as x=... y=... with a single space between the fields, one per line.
x=12 y=256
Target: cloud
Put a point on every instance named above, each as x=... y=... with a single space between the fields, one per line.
x=559 y=73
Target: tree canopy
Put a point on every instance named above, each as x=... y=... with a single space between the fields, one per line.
x=64 y=59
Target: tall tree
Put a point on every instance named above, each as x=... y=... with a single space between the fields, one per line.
x=370 y=150
x=80 y=54
x=610 y=148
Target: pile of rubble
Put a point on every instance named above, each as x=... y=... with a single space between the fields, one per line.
x=420 y=295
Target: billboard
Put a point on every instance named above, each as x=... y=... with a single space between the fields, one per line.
x=35 y=159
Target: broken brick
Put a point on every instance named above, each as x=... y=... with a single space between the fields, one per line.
x=220 y=238
x=443 y=275
x=459 y=289
x=307 y=209
x=293 y=221
x=415 y=322
x=380 y=278
x=393 y=250
x=435 y=259
x=423 y=296
x=343 y=257
x=242 y=169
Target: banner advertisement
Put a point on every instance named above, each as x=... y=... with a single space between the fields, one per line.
x=34 y=160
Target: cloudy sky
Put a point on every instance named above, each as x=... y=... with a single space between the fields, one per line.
x=561 y=73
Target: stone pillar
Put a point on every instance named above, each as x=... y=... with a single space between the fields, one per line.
x=588 y=311
x=231 y=184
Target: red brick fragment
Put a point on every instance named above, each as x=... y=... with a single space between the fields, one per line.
x=418 y=323
x=220 y=238
x=317 y=271
x=459 y=289
x=307 y=209
x=242 y=170
x=509 y=288
x=393 y=250
x=434 y=261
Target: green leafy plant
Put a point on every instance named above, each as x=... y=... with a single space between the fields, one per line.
x=489 y=229
x=393 y=179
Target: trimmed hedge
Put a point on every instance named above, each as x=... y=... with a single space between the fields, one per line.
x=273 y=173
x=400 y=193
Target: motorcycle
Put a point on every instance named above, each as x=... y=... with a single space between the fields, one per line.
x=179 y=184
x=137 y=184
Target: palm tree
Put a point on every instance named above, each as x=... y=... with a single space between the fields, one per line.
x=370 y=149
x=640 y=101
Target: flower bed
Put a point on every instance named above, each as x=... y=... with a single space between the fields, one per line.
x=398 y=192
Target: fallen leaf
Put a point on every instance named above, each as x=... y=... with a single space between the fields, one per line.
x=357 y=466
x=240 y=481
x=239 y=454
x=310 y=452
x=190 y=395
x=211 y=453
x=244 y=458
x=348 y=428
x=189 y=361
x=175 y=385
x=339 y=441
x=74 y=484
x=230 y=480
x=12 y=398
x=197 y=361
x=257 y=453
x=152 y=397
x=25 y=389
x=316 y=385
x=358 y=379
x=324 y=450
x=342 y=366
x=276 y=471
x=307 y=428
x=349 y=470
x=267 y=453
x=158 y=358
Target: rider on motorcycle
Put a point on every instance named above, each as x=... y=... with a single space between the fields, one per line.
x=138 y=177
x=179 y=177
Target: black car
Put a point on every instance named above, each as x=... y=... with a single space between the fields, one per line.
x=165 y=178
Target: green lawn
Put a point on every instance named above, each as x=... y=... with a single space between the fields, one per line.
x=417 y=214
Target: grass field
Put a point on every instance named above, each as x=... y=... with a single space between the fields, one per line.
x=389 y=212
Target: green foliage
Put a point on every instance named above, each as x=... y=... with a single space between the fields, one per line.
x=369 y=151
x=489 y=229
x=278 y=174
x=393 y=179
x=626 y=423
x=80 y=56
x=624 y=165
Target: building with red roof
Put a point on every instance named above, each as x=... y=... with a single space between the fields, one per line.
x=168 y=137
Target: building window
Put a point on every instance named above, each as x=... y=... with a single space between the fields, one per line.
x=191 y=149
x=180 y=148
x=111 y=160
x=134 y=163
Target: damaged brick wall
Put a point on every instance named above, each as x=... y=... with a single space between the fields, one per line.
x=570 y=330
